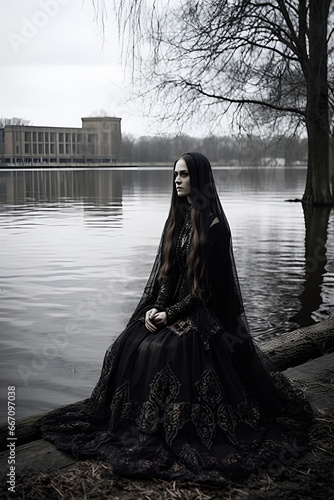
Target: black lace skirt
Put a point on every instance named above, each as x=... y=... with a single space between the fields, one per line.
x=166 y=407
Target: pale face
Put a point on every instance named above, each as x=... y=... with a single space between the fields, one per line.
x=182 y=179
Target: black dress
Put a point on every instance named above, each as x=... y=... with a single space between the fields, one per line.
x=192 y=401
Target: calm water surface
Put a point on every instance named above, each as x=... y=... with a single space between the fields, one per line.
x=77 y=247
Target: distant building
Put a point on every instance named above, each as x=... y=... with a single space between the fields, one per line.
x=270 y=161
x=99 y=140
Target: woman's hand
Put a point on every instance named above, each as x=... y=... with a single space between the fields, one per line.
x=160 y=318
x=154 y=318
x=149 y=320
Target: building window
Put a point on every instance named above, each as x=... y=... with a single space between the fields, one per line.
x=52 y=149
x=46 y=149
x=73 y=137
x=40 y=149
x=46 y=136
x=34 y=149
x=61 y=149
x=79 y=149
x=91 y=143
x=79 y=137
x=34 y=136
x=68 y=137
x=27 y=148
x=74 y=149
x=40 y=137
x=61 y=137
x=68 y=149
x=27 y=136
x=17 y=150
x=52 y=137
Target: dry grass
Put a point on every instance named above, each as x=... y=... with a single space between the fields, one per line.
x=311 y=476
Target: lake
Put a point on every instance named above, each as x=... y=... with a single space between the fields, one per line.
x=77 y=247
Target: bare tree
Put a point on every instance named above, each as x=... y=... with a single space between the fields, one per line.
x=249 y=57
x=13 y=121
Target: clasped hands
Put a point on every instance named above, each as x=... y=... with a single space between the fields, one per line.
x=155 y=319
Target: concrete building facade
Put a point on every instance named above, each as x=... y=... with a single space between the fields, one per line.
x=99 y=140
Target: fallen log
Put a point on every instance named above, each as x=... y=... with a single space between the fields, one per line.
x=296 y=347
x=26 y=429
x=35 y=457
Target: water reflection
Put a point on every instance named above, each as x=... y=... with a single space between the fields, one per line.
x=148 y=182
x=316 y=228
x=95 y=187
x=265 y=179
x=100 y=192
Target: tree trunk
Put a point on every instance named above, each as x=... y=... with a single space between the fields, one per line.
x=317 y=190
x=331 y=163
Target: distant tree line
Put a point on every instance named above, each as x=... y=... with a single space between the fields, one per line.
x=224 y=150
x=13 y=121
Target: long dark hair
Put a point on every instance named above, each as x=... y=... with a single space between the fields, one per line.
x=203 y=209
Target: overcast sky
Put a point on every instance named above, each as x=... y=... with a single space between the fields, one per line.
x=56 y=67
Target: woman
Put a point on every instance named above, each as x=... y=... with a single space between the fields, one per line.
x=183 y=392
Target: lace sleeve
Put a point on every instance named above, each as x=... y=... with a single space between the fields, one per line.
x=164 y=295
x=181 y=308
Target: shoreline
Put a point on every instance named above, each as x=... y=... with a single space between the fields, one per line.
x=136 y=165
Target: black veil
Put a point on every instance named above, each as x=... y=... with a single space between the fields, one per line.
x=206 y=207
